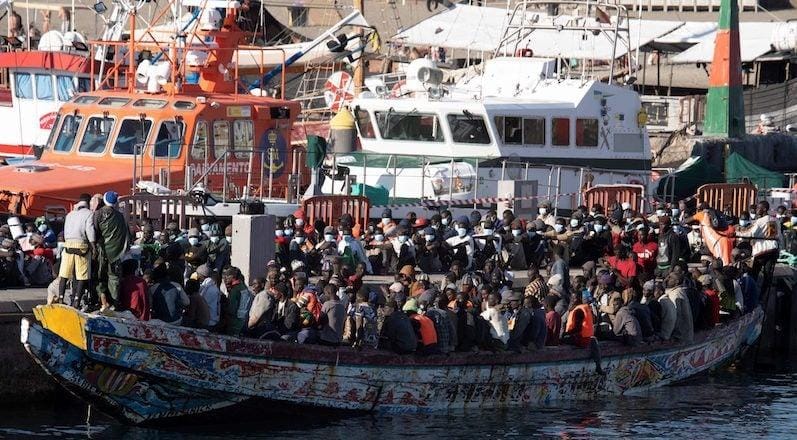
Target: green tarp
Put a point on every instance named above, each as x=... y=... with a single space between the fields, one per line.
x=738 y=169
x=687 y=178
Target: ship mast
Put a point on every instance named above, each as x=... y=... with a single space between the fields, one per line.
x=359 y=69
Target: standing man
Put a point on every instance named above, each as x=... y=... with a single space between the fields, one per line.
x=79 y=239
x=112 y=239
x=767 y=240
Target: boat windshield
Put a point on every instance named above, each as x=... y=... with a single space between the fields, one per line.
x=409 y=126
x=467 y=128
x=170 y=139
x=131 y=133
x=67 y=134
x=95 y=137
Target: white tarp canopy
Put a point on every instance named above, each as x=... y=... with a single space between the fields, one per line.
x=755 y=41
x=690 y=32
x=481 y=29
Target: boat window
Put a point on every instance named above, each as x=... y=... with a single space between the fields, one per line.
x=534 y=131
x=150 y=103
x=560 y=132
x=83 y=85
x=184 y=105
x=66 y=87
x=170 y=139
x=44 y=87
x=114 y=102
x=364 y=124
x=67 y=134
x=199 y=148
x=468 y=129
x=86 y=99
x=409 y=126
x=221 y=138
x=131 y=133
x=243 y=137
x=23 y=88
x=510 y=128
x=96 y=134
x=53 y=131
x=587 y=132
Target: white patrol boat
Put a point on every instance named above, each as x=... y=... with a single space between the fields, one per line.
x=520 y=127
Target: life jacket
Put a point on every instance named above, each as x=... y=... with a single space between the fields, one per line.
x=587 y=330
x=428 y=333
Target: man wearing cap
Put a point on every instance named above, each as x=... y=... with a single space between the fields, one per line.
x=112 y=242
x=429 y=252
x=388 y=225
x=518 y=319
x=79 y=236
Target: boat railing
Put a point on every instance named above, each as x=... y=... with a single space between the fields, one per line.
x=158 y=209
x=524 y=19
x=400 y=169
x=115 y=78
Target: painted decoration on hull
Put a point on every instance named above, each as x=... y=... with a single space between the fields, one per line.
x=275 y=147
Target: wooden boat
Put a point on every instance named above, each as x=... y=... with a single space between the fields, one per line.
x=223 y=370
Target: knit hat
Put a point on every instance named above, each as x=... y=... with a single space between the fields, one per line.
x=203 y=270
x=410 y=306
x=110 y=198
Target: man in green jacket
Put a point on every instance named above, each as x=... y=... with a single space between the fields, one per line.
x=239 y=298
x=113 y=238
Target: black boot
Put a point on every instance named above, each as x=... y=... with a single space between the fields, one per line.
x=78 y=287
x=62 y=289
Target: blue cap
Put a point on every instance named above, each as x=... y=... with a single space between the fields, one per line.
x=428 y=231
x=110 y=198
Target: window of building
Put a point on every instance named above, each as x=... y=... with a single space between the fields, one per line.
x=534 y=131
x=587 y=132
x=468 y=129
x=95 y=136
x=67 y=134
x=65 y=86
x=44 y=87
x=199 y=148
x=131 y=133
x=411 y=126
x=560 y=132
x=298 y=15
x=169 y=139
x=364 y=124
x=221 y=138
x=23 y=87
x=243 y=138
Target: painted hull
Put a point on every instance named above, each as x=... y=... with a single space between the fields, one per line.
x=125 y=395
x=379 y=381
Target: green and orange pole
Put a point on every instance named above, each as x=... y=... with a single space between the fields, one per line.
x=725 y=103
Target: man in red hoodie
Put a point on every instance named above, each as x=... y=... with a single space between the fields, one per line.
x=133 y=292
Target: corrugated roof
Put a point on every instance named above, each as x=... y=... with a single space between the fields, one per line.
x=754 y=37
x=479 y=28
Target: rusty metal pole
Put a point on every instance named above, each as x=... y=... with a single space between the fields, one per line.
x=359 y=69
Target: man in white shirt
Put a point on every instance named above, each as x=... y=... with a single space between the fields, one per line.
x=210 y=292
x=499 y=327
x=767 y=240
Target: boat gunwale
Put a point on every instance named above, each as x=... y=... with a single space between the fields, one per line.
x=348 y=356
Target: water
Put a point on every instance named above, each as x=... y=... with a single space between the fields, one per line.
x=733 y=405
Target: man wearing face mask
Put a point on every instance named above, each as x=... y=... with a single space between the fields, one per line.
x=488 y=243
x=429 y=252
x=546 y=214
x=377 y=249
x=352 y=250
x=447 y=224
x=196 y=254
x=536 y=241
x=461 y=245
x=218 y=249
x=672 y=251
x=48 y=236
x=387 y=224
x=298 y=247
x=517 y=248
x=326 y=248
x=403 y=250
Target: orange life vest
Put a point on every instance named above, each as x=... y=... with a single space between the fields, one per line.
x=587 y=331
x=428 y=333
